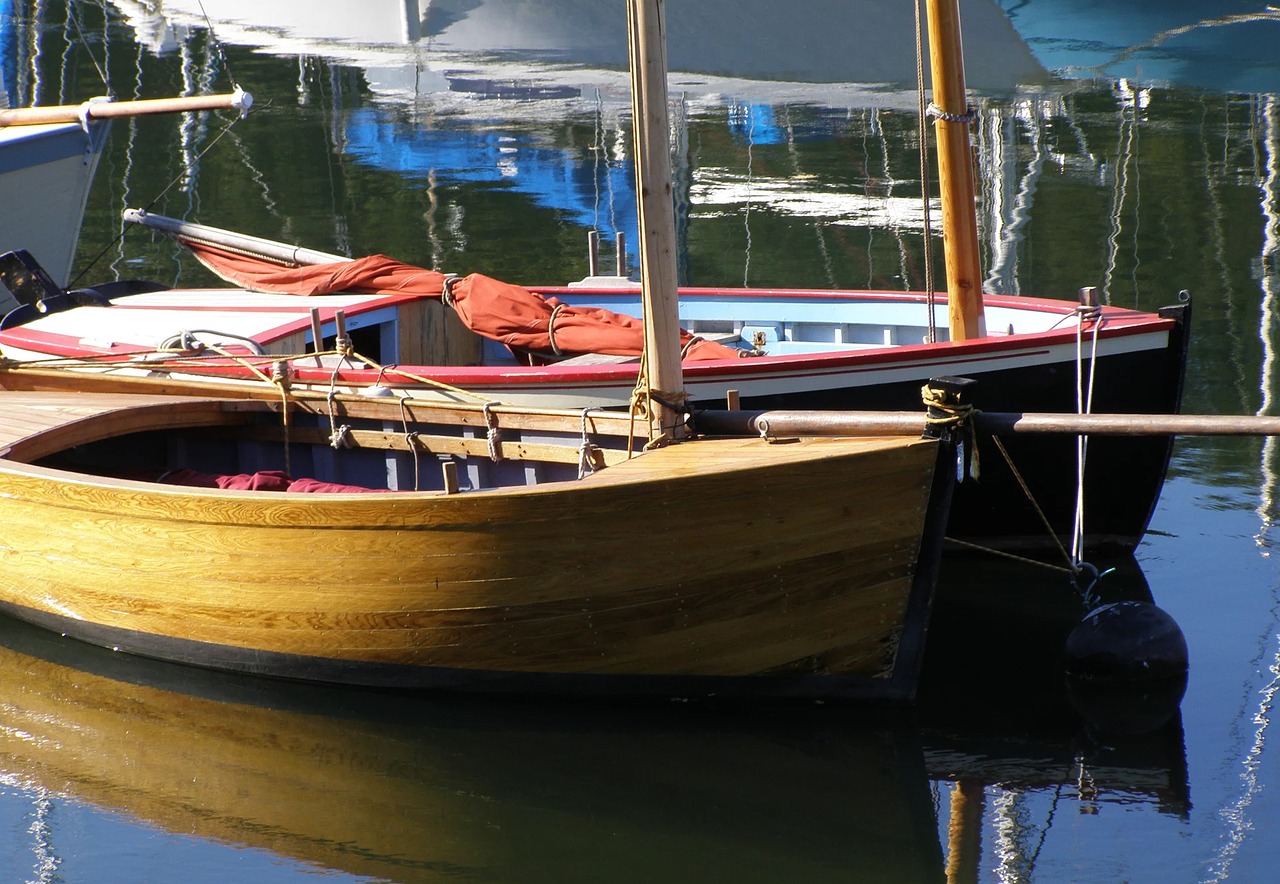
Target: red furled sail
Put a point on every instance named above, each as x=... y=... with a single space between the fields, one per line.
x=527 y=321
x=509 y=314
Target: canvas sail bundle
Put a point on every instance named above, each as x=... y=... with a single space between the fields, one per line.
x=510 y=314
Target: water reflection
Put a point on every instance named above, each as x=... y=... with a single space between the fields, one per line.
x=1224 y=45
x=404 y=788
x=1015 y=760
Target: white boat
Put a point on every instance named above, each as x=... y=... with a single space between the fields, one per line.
x=48 y=170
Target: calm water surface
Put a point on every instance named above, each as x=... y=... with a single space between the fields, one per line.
x=1119 y=148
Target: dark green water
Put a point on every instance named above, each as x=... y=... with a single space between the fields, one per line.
x=115 y=770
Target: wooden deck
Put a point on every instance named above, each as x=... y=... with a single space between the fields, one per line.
x=35 y=425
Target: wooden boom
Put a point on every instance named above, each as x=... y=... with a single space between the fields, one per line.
x=835 y=423
x=105 y=109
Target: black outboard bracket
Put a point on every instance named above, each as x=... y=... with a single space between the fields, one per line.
x=24 y=278
x=37 y=294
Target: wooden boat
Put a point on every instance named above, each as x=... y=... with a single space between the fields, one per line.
x=767 y=583
x=791 y=590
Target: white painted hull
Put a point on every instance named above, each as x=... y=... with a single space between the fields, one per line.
x=48 y=171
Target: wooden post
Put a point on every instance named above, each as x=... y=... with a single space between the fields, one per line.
x=955 y=172
x=317 y=334
x=656 y=208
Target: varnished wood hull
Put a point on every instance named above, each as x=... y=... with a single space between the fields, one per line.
x=714 y=567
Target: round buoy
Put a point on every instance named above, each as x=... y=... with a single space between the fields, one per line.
x=1126 y=667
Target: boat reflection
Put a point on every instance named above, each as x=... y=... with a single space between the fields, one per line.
x=760 y=48
x=1224 y=45
x=405 y=788
x=401 y=789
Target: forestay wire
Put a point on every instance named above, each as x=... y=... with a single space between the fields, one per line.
x=924 y=177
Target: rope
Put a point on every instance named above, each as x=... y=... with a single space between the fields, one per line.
x=339 y=436
x=493 y=435
x=586 y=449
x=411 y=438
x=147 y=359
x=945 y=412
x=1011 y=556
x=968 y=116
x=1072 y=565
x=426 y=381
x=284 y=422
x=551 y=328
x=924 y=179
x=1084 y=405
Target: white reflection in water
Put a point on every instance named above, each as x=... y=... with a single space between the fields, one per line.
x=719 y=192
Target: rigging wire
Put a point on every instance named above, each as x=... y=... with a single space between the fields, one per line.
x=73 y=20
x=924 y=178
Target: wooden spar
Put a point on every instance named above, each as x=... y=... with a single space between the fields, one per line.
x=654 y=197
x=239 y=242
x=836 y=423
x=104 y=109
x=955 y=172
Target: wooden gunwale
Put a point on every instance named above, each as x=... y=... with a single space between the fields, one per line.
x=40 y=397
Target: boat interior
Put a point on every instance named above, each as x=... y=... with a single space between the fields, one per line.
x=346 y=445
x=138 y=316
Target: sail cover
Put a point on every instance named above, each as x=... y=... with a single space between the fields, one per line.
x=523 y=320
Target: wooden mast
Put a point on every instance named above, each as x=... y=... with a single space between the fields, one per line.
x=656 y=208
x=955 y=172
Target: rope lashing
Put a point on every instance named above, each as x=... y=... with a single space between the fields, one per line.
x=586 y=463
x=282 y=374
x=339 y=436
x=343 y=346
x=968 y=116
x=446 y=290
x=676 y=402
x=947 y=412
x=551 y=328
x=493 y=435
x=1085 y=579
x=412 y=439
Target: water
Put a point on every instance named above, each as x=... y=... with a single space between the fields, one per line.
x=1151 y=170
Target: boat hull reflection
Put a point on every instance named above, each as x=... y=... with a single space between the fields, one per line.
x=399 y=789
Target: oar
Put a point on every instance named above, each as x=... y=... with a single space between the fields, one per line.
x=104 y=108
x=851 y=423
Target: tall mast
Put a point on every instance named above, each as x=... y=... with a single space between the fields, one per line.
x=955 y=172
x=656 y=208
